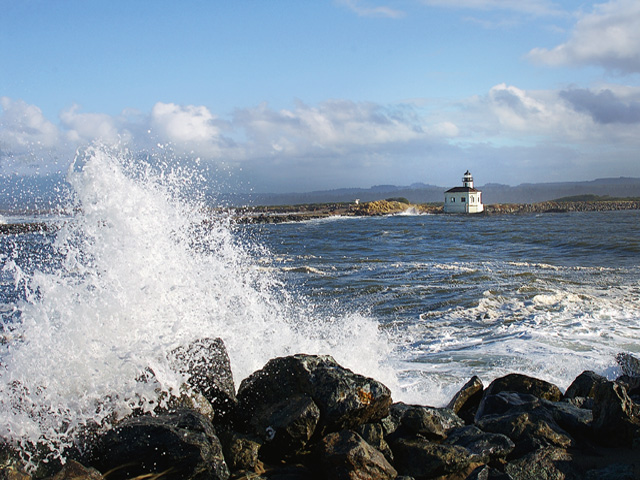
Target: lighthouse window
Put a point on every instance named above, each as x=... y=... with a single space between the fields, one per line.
x=471 y=199
x=462 y=199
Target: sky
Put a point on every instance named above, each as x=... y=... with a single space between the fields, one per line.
x=296 y=96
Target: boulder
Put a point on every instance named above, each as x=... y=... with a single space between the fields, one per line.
x=420 y=458
x=546 y=463
x=429 y=422
x=345 y=399
x=241 y=452
x=629 y=364
x=507 y=402
x=528 y=430
x=584 y=385
x=485 y=472
x=206 y=365
x=182 y=444
x=519 y=383
x=465 y=403
x=286 y=427
x=616 y=419
x=346 y=455
x=373 y=434
x=485 y=447
x=73 y=470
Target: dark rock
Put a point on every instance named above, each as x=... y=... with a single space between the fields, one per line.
x=346 y=455
x=485 y=472
x=287 y=426
x=177 y=445
x=289 y=472
x=75 y=471
x=11 y=472
x=430 y=422
x=241 y=452
x=465 y=403
x=373 y=434
x=421 y=459
x=528 y=430
x=206 y=365
x=616 y=419
x=612 y=472
x=547 y=463
x=485 y=446
x=345 y=399
x=519 y=383
x=631 y=385
x=629 y=364
x=507 y=402
x=584 y=385
x=574 y=420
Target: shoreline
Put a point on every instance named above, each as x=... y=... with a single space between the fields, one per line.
x=305 y=212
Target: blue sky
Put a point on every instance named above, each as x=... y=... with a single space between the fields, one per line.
x=298 y=96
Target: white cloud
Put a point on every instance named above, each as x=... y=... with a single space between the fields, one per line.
x=86 y=127
x=24 y=127
x=364 y=10
x=608 y=37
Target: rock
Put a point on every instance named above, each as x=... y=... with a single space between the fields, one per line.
x=287 y=426
x=177 y=445
x=241 y=452
x=465 y=403
x=584 y=385
x=206 y=365
x=547 y=463
x=612 y=472
x=346 y=455
x=528 y=430
x=629 y=364
x=75 y=471
x=519 y=383
x=507 y=402
x=485 y=472
x=574 y=420
x=11 y=472
x=345 y=399
x=373 y=434
x=421 y=459
x=616 y=419
x=484 y=446
x=430 y=422
x=631 y=385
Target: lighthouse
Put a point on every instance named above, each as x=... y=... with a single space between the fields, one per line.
x=464 y=199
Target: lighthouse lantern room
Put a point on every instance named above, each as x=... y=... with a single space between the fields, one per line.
x=464 y=199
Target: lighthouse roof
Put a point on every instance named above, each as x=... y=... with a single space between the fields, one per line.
x=462 y=190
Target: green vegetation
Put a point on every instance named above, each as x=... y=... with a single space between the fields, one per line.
x=595 y=198
x=398 y=199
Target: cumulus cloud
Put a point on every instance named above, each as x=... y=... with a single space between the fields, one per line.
x=24 y=127
x=603 y=106
x=364 y=10
x=608 y=37
x=86 y=127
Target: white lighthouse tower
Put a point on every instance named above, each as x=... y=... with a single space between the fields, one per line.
x=464 y=199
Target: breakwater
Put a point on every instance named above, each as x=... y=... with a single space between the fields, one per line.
x=307 y=417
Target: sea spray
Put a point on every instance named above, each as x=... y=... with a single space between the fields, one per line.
x=137 y=270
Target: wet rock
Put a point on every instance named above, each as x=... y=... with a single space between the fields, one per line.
x=346 y=455
x=75 y=471
x=616 y=419
x=584 y=385
x=523 y=384
x=430 y=422
x=631 y=385
x=574 y=420
x=287 y=426
x=241 y=452
x=528 y=430
x=419 y=458
x=485 y=472
x=612 y=472
x=11 y=472
x=465 y=403
x=547 y=463
x=206 y=365
x=345 y=399
x=177 y=445
x=629 y=364
x=373 y=434
x=484 y=446
x=507 y=402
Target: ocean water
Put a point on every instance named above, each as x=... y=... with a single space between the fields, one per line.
x=91 y=310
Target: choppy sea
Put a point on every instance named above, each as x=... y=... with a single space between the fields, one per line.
x=420 y=302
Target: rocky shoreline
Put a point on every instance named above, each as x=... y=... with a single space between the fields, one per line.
x=305 y=417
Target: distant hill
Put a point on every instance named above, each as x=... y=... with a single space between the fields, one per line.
x=16 y=193
x=423 y=193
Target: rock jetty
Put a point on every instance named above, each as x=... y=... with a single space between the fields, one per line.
x=305 y=417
